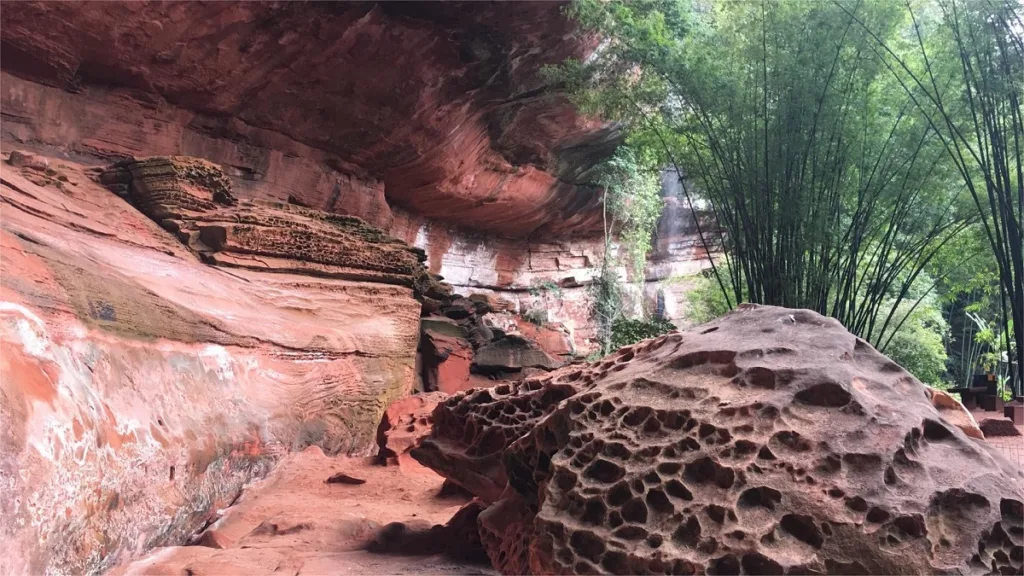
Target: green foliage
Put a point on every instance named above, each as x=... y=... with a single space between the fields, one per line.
x=606 y=293
x=918 y=345
x=544 y=287
x=705 y=300
x=627 y=331
x=632 y=205
x=632 y=196
x=832 y=189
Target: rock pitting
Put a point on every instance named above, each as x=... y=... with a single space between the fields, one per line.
x=770 y=441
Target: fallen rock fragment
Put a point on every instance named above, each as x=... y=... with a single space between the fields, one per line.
x=993 y=427
x=770 y=441
x=459 y=538
x=21 y=159
x=512 y=353
x=342 y=478
x=954 y=412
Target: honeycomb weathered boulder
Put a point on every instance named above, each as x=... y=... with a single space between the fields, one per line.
x=770 y=441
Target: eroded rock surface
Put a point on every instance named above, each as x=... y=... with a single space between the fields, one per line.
x=141 y=389
x=770 y=441
x=405 y=422
x=192 y=198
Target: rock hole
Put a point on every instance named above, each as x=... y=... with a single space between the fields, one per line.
x=857 y=504
x=587 y=544
x=761 y=496
x=614 y=519
x=636 y=416
x=756 y=563
x=616 y=562
x=669 y=468
x=688 y=533
x=792 y=440
x=678 y=489
x=827 y=394
x=594 y=511
x=727 y=565
x=912 y=525
x=803 y=529
x=705 y=471
x=935 y=431
x=604 y=471
x=659 y=502
x=619 y=494
x=635 y=511
x=744 y=447
x=715 y=512
x=630 y=532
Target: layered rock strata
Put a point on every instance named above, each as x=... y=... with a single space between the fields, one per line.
x=141 y=389
x=192 y=198
x=770 y=441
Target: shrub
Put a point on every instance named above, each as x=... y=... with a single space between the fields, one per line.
x=705 y=300
x=918 y=345
x=626 y=332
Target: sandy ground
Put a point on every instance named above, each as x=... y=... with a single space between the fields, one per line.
x=292 y=522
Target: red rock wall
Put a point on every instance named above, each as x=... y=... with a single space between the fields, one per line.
x=438 y=108
x=524 y=272
x=106 y=123
x=141 y=389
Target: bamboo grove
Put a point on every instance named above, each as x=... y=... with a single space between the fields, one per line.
x=840 y=146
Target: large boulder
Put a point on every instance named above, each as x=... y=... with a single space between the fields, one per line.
x=770 y=441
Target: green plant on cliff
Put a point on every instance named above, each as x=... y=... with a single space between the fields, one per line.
x=631 y=205
x=632 y=201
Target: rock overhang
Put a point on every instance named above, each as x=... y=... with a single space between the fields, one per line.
x=435 y=108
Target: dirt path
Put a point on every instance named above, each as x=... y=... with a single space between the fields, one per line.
x=292 y=522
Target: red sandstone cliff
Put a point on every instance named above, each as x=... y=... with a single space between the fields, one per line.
x=355 y=108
